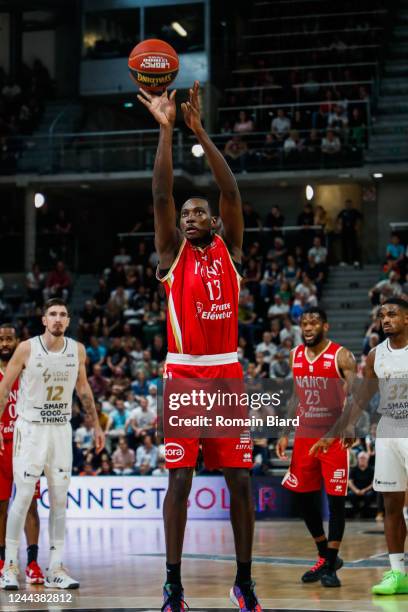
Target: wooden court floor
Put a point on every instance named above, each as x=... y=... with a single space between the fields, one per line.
x=120 y=566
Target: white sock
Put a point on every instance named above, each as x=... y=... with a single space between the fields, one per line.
x=397 y=561
x=11 y=552
x=56 y=521
x=56 y=554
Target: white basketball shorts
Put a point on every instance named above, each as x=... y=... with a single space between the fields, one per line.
x=391 y=456
x=42 y=448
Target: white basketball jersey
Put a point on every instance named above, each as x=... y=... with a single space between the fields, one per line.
x=48 y=382
x=391 y=368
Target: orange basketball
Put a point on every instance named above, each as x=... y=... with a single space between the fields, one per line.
x=153 y=65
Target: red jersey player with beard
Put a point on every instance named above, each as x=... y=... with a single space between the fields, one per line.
x=322 y=373
x=34 y=575
x=200 y=270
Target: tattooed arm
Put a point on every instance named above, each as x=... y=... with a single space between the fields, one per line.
x=85 y=394
x=13 y=371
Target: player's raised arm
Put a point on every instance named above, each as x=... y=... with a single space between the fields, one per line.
x=87 y=399
x=167 y=236
x=13 y=371
x=230 y=199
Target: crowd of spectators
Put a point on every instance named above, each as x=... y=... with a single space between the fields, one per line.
x=21 y=105
x=304 y=87
x=333 y=133
x=392 y=282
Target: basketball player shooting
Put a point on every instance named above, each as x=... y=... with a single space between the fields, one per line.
x=319 y=366
x=200 y=271
x=51 y=367
x=34 y=575
x=386 y=371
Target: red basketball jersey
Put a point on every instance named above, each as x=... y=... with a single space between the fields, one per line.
x=319 y=387
x=9 y=415
x=202 y=288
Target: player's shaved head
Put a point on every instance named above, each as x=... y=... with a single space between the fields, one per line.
x=198 y=201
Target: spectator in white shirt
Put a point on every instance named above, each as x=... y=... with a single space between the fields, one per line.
x=331 y=144
x=152 y=398
x=141 y=420
x=290 y=331
x=390 y=287
x=280 y=126
x=146 y=457
x=122 y=257
x=85 y=435
x=338 y=120
x=266 y=347
x=318 y=251
x=307 y=289
x=278 y=308
x=161 y=469
x=292 y=143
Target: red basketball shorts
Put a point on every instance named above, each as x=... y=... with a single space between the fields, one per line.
x=6 y=473
x=306 y=472
x=217 y=452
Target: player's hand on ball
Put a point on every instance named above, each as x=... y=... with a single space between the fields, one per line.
x=99 y=440
x=321 y=446
x=163 y=108
x=281 y=447
x=191 y=109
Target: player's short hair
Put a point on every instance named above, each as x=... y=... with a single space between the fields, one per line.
x=316 y=310
x=397 y=302
x=199 y=197
x=54 y=302
x=9 y=326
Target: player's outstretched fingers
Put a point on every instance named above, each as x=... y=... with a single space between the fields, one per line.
x=196 y=88
x=143 y=100
x=145 y=93
x=173 y=94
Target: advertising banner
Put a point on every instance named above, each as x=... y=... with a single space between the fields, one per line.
x=142 y=497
